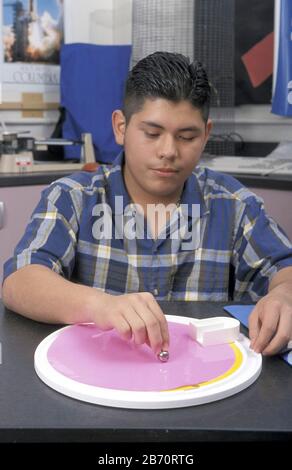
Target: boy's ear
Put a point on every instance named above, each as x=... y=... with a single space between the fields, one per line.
x=119 y=126
x=209 y=127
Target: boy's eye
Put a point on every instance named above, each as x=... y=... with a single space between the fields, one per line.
x=151 y=134
x=187 y=139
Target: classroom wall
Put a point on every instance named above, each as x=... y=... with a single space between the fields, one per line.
x=98 y=21
x=86 y=21
x=109 y=22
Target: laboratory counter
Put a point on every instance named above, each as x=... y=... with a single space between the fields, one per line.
x=30 y=411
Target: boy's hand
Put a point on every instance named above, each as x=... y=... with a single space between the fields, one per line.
x=270 y=323
x=136 y=316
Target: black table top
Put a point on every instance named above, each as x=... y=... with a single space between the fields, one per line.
x=30 y=411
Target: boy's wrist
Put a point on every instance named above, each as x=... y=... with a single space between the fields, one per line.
x=94 y=303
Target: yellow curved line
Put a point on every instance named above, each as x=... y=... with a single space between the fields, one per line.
x=235 y=366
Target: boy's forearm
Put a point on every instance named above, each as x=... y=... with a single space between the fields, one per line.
x=40 y=294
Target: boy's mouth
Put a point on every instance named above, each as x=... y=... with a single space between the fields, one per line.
x=165 y=171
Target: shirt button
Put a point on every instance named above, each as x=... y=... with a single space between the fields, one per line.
x=155 y=291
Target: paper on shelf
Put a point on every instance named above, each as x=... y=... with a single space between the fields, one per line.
x=278 y=161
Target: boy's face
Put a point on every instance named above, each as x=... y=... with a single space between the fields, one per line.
x=163 y=143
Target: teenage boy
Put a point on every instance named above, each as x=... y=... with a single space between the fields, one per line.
x=79 y=261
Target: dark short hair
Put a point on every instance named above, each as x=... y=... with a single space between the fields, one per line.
x=170 y=76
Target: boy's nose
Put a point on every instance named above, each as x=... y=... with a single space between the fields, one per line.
x=167 y=147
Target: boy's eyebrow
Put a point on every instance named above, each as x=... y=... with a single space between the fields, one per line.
x=152 y=124
x=183 y=129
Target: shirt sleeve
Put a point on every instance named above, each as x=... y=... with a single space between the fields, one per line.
x=261 y=249
x=50 y=237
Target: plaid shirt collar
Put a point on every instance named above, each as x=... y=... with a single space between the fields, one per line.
x=115 y=186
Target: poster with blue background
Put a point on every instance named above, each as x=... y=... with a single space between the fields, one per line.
x=282 y=90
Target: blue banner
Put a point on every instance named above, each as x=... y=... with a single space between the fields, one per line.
x=282 y=96
x=92 y=86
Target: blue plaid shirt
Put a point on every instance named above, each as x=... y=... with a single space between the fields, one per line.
x=239 y=247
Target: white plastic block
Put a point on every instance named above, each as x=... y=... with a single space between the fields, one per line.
x=217 y=330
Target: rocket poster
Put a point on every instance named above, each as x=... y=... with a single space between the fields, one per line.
x=32 y=36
